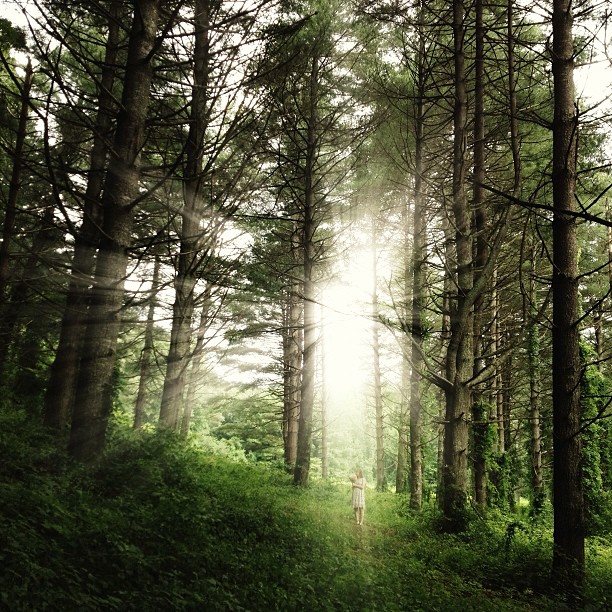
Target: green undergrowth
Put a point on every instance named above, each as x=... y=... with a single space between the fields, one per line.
x=158 y=525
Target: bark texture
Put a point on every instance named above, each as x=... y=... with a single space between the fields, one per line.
x=61 y=389
x=8 y=314
x=146 y=355
x=568 y=551
x=94 y=395
x=479 y=425
x=10 y=211
x=191 y=215
x=293 y=344
x=419 y=256
x=460 y=354
x=307 y=395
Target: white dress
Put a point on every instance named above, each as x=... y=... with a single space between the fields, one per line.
x=359 y=493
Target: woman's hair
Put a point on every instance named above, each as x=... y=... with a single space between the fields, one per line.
x=359 y=473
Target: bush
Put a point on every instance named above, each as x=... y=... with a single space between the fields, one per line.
x=159 y=524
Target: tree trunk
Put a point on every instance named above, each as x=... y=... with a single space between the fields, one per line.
x=324 y=404
x=293 y=341
x=530 y=309
x=10 y=211
x=401 y=473
x=8 y=228
x=94 y=396
x=479 y=413
x=533 y=360
x=147 y=351
x=506 y=383
x=307 y=394
x=445 y=335
x=568 y=551
x=460 y=354
x=502 y=435
x=189 y=255
x=419 y=257
x=402 y=439
x=196 y=363
x=25 y=350
x=376 y=382
x=61 y=388
x=495 y=389
x=510 y=436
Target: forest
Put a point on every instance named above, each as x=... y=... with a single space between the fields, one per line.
x=251 y=247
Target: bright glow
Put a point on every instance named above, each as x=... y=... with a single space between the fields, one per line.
x=346 y=341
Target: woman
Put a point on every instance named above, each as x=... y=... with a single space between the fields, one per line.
x=358 y=496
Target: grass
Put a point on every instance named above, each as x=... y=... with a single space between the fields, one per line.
x=160 y=526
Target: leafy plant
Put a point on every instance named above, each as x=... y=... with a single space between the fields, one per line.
x=160 y=524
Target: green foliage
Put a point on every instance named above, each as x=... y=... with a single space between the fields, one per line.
x=504 y=476
x=483 y=432
x=11 y=37
x=252 y=422
x=158 y=524
x=593 y=392
x=606 y=453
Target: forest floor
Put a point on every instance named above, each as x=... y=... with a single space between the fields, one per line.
x=158 y=525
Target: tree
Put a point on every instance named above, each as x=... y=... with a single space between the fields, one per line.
x=15 y=183
x=381 y=484
x=10 y=214
x=16 y=133
x=216 y=153
x=309 y=99
x=419 y=259
x=191 y=243
x=308 y=203
x=147 y=350
x=459 y=358
x=61 y=388
x=568 y=552
x=293 y=348
x=120 y=196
